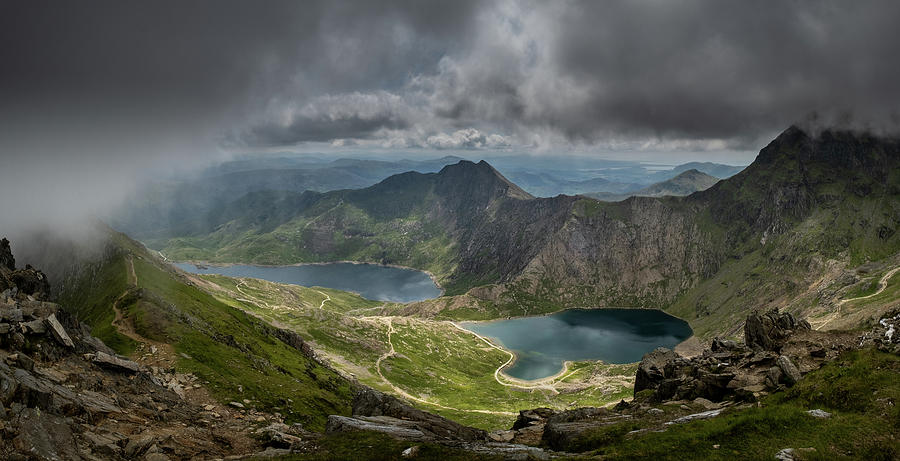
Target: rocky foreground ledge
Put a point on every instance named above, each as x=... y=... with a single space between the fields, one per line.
x=65 y=395
x=670 y=390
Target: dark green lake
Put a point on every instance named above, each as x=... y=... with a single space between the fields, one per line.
x=372 y=281
x=542 y=344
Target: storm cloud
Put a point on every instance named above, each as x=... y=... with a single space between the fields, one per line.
x=96 y=93
x=282 y=73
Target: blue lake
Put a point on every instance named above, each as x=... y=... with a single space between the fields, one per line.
x=372 y=281
x=542 y=344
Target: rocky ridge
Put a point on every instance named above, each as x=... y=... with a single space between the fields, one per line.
x=65 y=395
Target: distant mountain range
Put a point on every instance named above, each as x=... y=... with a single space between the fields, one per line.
x=178 y=206
x=685 y=183
x=758 y=237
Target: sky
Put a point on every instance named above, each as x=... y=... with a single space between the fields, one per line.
x=96 y=93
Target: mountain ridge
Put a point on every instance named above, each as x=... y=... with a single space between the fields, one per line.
x=472 y=227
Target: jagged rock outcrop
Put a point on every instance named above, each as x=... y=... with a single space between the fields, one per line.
x=371 y=403
x=378 y=412
x=737 y=372
x=64 y=395
x=7 y=260
x=651 y=370
x=768 y=331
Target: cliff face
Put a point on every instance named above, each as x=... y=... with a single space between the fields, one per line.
x=638 y=252
x=756 y=239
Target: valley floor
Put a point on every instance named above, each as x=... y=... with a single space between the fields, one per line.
x=435 y=364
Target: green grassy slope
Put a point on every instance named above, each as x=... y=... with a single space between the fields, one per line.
x=238 y=354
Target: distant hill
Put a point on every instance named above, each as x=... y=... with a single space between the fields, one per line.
x=543 y=184
x=685 y=183
x=176 y=207
x=717 y=170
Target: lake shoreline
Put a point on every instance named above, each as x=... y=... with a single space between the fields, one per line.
x=324 y=263
x=493 y=339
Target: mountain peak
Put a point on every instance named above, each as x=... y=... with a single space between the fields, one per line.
x=469 y=174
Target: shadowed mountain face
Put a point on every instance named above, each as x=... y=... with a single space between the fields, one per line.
x=831 y=196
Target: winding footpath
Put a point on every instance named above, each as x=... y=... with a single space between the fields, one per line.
x=544 y=383
x=405 y=394
x=882 y=285
x=327 y=298
x=165 y=353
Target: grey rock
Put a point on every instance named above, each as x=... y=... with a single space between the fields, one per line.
x=530 y=417
x=59 y=332
x=410 y=452
x=696 y=416
x=35 y=327
x=369 y=402
x=722 y=345
x=791 y=373
x=277 y=435
x=103 y=444
x=817 y=413
x=773 y=377
x=24 y=361
x=138 y=444
x=45 y=436
x=769 y=331
x=115 y=363
x=390 y=426
x=11 y=314
x=502 y=436
x=651 y=371
x=786 y=454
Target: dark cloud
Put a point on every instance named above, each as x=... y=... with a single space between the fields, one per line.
x=277 y=72
x=726 y=69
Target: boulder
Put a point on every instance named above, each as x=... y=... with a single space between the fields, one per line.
x=369 y=402
x=719 y=345
x=278 y=435
x=773 y=377
x=59 y=332
x=790 y=372
x=696 y=416
x=651 y=371
x=531 y=417
x=396 y=428
x=35 y=327
x=115 y=363
x=769 y=331
x=31 y=281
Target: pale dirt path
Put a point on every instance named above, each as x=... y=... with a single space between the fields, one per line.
x=548 y=383
x=405 y=394
x=255 y=300
x=882 y=285
x=327 y=298
x=165 y=355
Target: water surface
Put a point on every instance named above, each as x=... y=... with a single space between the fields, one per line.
x=372 y=281
x=543 y=343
